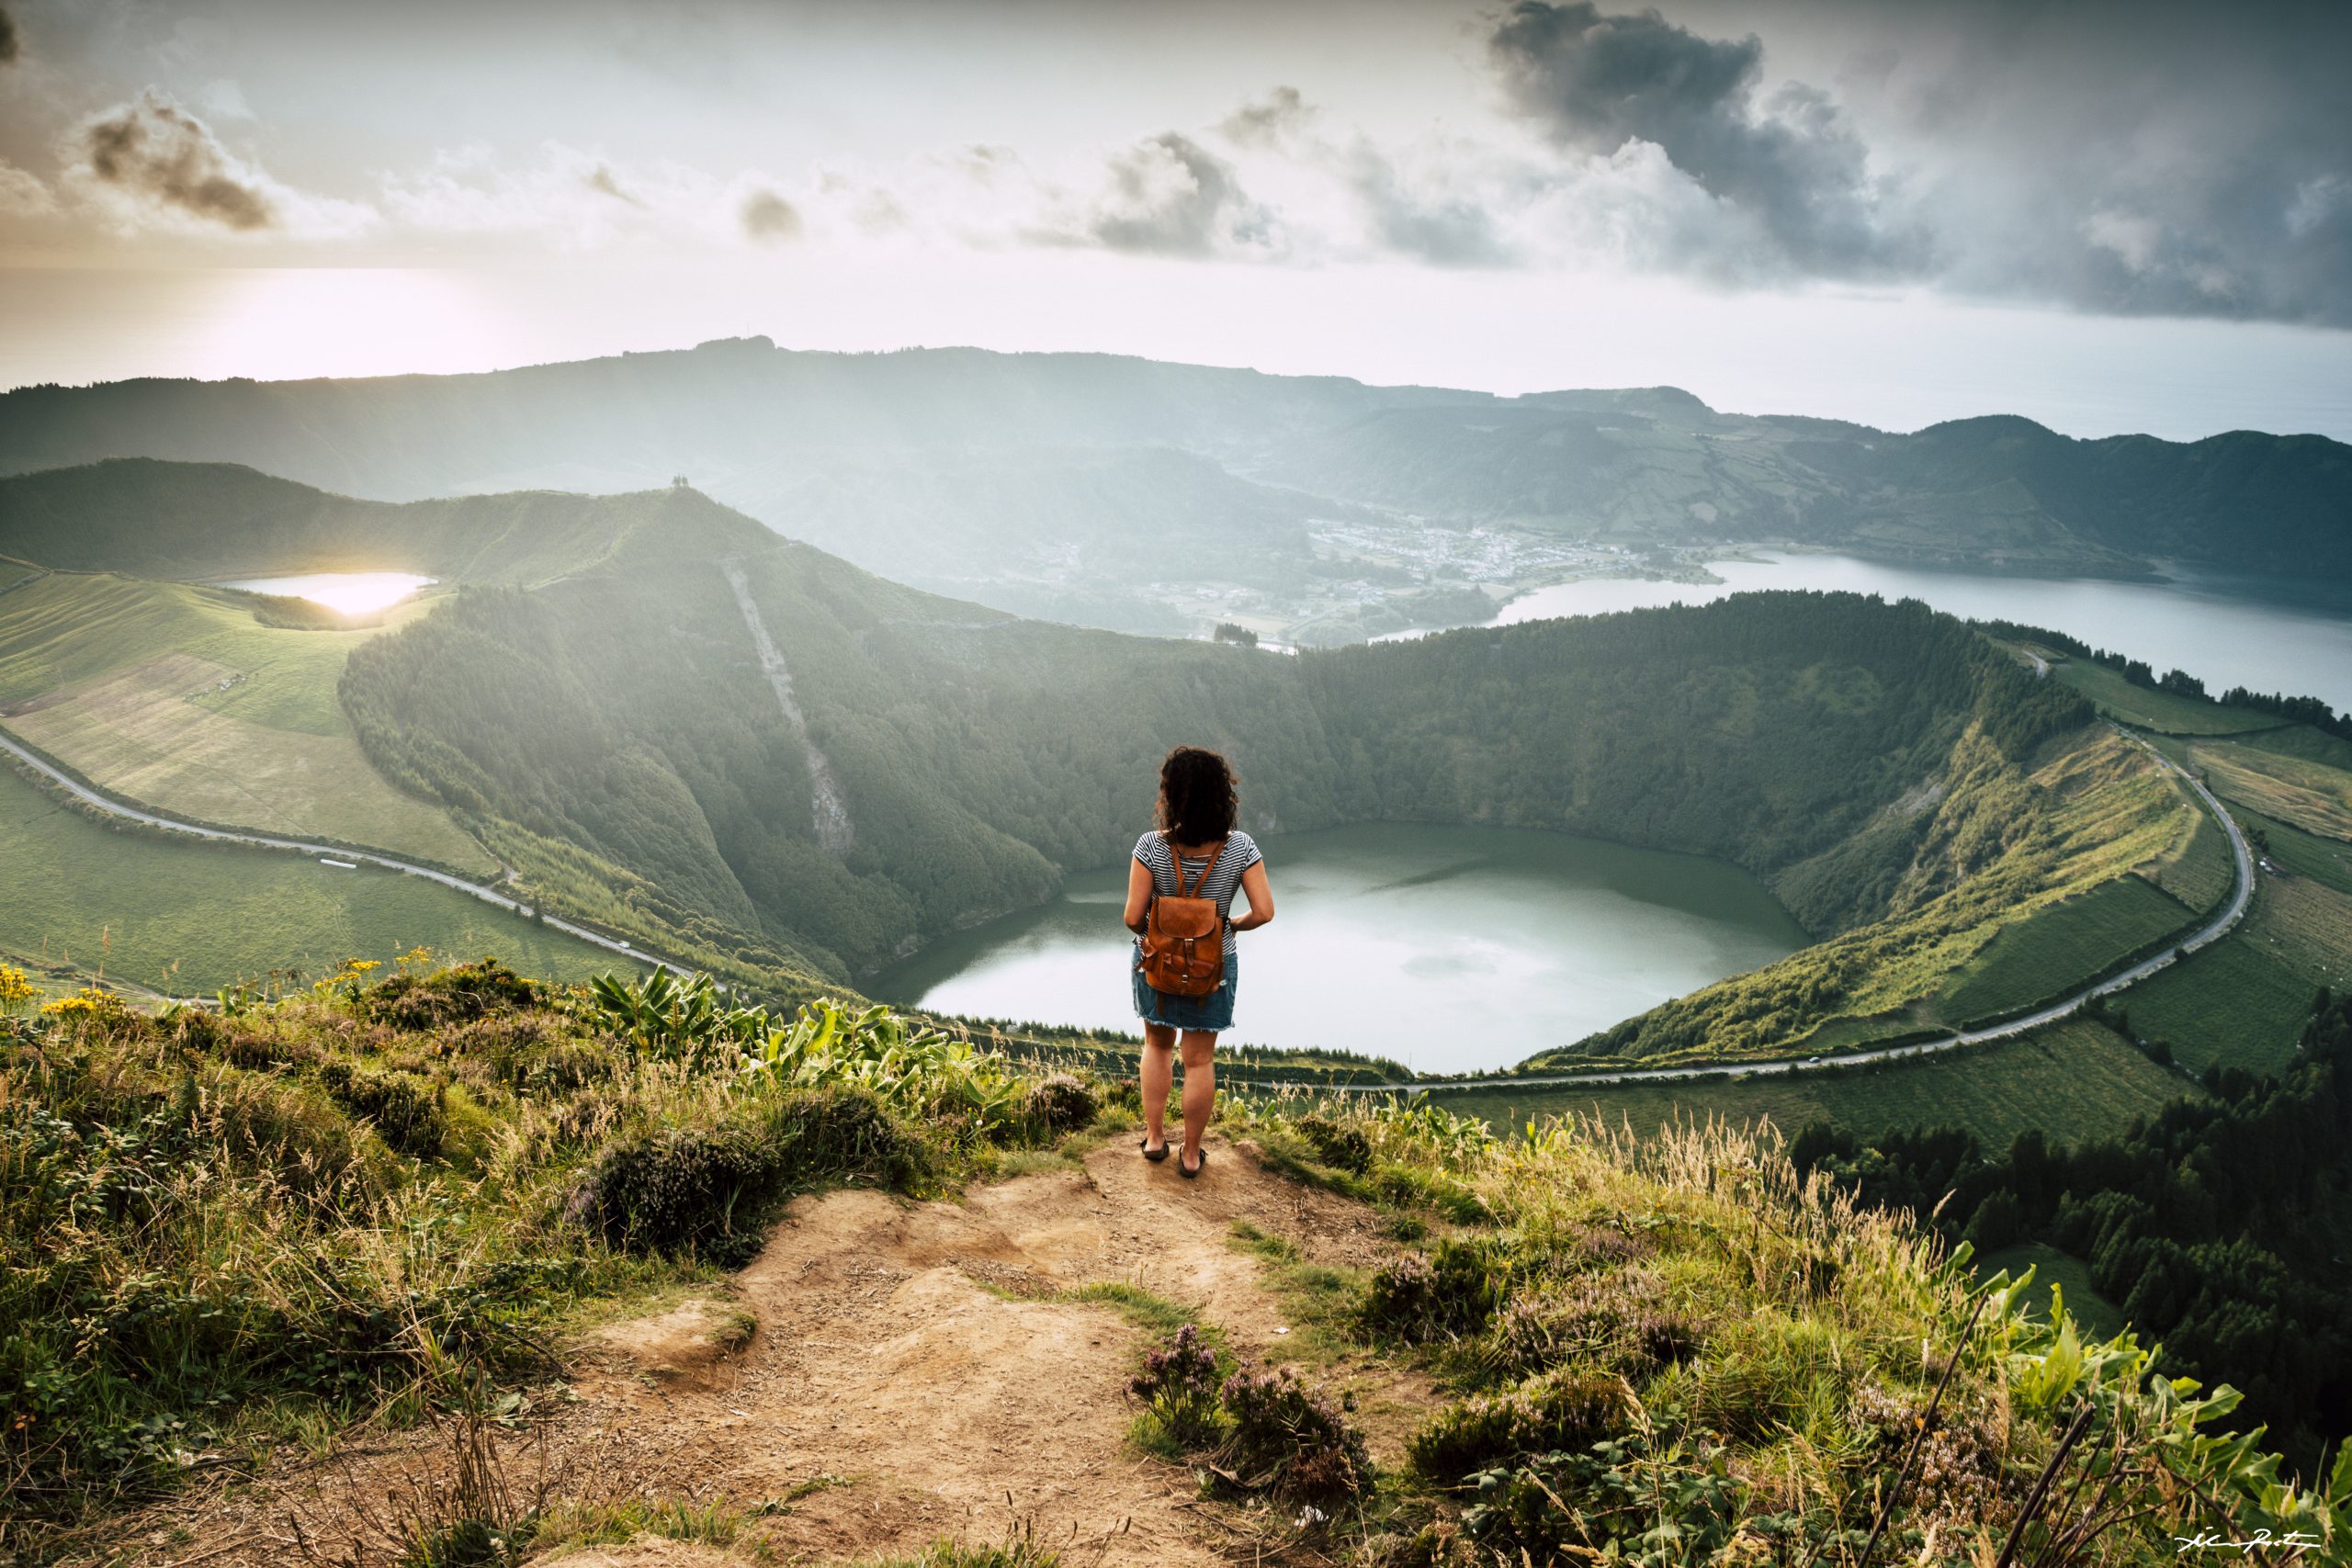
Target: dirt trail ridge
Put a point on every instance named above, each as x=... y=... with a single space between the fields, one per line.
x=911 y=1376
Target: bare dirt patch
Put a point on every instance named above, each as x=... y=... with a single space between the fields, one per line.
x=918 y=1372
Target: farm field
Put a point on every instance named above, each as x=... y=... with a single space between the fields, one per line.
x=2310 y=794
x=188 y=918
x=2325 y=860
x=13 y=571
x=2302 y=740
x=2307 y=926
x=2156 y=710
x=2232 y=1003
x=2199 y=870
x=214 y=718
x=2075 y=1079
x=2055 y=948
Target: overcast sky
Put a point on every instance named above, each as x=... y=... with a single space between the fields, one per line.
x=2108 y=216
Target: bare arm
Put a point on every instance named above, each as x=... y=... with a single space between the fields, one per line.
x=1138 y=895
x=1260 y=896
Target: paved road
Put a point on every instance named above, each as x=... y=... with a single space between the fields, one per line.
x=2211 y=931
x=113 y=807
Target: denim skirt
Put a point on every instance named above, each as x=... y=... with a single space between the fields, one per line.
x=1212 y=1013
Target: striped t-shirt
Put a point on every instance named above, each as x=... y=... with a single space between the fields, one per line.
x=1241 y=854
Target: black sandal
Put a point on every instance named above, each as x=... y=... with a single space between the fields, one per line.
x=1196 y=1170
x=1155 y=1155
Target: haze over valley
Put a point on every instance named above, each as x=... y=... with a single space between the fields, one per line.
x=599 y=603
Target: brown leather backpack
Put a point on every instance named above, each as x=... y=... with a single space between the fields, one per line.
x=1184 y=935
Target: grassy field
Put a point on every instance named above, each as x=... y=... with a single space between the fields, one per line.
x=2327 y=861
x=13 y=571
x=2050 y=1267
x=2073 y=1079
x=177 y=697
x=2310 y=794
x=188 y=918
x=2198 y=869
x=2307 y=926
x=2232 y=1003
x=2311 y=745
x=2156 y=710
x=2057 y=948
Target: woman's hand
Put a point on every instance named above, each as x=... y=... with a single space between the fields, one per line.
x=1260 y=895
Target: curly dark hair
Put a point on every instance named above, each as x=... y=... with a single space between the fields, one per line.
x=1197 y=803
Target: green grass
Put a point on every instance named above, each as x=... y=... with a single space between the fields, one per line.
x=2231 y=1003
x=2073 y=1079
x=2052 y=1266
x=2156 y=710
x=178 y=698
x=13 y=571
x=2311 y=745
x=2324 y=859
x=2059 y=947
x=188 y=918
x=2201 y=870
x=2314 y=796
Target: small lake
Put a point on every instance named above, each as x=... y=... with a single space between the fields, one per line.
x=2270 y=634
x=351 y=592
x=1450 y=949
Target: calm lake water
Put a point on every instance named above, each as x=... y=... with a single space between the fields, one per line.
x=352 y=593
x=1450 y=949
x=2270 y=634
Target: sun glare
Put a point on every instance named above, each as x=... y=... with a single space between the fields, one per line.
x=350 y=592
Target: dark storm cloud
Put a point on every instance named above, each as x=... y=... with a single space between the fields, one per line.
x=1170 y=196
x=158 y=152
x=2121 y=156
x=768 y=218
x=1785 y=160
x=11 y=45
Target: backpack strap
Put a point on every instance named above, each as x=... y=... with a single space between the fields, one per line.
x=1198 y=883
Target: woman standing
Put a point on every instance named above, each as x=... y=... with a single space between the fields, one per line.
x=1195 y=852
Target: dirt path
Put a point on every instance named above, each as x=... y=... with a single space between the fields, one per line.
x=914 y=1373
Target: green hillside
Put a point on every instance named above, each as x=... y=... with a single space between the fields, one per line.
x=979 y=756
x=172 y=915
x=183 y=699
x=2073 y=1081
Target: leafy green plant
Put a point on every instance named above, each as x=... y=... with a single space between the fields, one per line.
x=1560 y=1410
x=1447 y=1293
x=1178 y=1386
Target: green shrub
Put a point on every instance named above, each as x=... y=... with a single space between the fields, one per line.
x=708 y=1192
x=460 y=994
x=1291 y=1440
x=1338 y=1144
x=404 y=1109
x=1570 y=1409
x=1178 y=1383
x=1449 y=1292
x=1061 y=1103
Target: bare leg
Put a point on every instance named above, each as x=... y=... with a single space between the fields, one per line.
x=1157 y=1074
x=1200 y=1093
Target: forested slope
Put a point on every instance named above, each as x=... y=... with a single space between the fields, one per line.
x=624 y=712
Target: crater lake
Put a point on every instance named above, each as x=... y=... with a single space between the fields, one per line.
x=1450 y=949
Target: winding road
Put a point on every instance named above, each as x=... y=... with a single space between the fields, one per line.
x=34 y=763
x=2214 y=931
x=2211 y=931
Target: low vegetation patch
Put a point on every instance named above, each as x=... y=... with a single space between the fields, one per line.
x=220 y=1226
